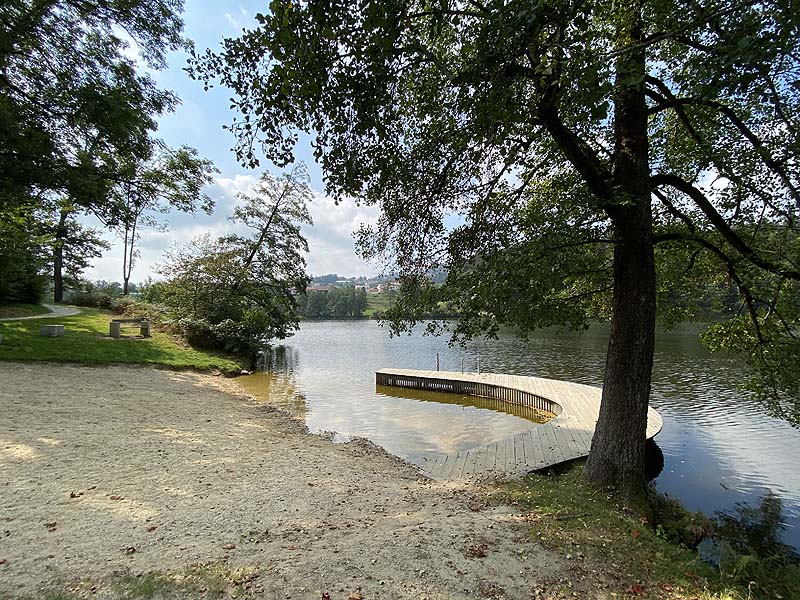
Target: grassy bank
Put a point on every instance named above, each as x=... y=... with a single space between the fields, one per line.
x=8 y=311
x=378 y=303
x=86 y=341
x=598 y=536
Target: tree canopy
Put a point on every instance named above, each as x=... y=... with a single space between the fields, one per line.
x=71 y=101
x=604 y=157
x=238 y=291
x=171 y=180
x=77 y=118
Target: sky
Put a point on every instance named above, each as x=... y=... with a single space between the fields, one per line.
x=198 y=122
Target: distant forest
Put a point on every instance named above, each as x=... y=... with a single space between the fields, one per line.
x=337 y=303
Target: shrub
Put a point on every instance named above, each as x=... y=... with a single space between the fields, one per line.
x=197 y=332
x=97 y=294
x=748 y=550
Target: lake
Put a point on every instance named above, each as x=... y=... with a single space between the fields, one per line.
x=719 y=447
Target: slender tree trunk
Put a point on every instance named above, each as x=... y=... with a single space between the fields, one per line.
x=617 y=453
x=125 y=260
x=58 y=257
x=58 y=278
x=128 y=254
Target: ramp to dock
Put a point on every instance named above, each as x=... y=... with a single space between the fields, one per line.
x=566 y=437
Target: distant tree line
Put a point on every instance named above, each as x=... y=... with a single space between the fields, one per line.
x=338 y=303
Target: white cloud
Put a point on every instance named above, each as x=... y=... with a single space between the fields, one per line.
x=232 y=20
x=330 y=238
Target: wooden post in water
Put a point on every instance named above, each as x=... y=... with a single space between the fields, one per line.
x=479 y=365
x=462 y=363
x=437 y=361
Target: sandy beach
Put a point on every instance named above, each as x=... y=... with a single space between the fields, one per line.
x=106 y=471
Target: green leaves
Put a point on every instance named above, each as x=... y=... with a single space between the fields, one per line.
x=72 y=105
x=498 y=137
x=242 y=287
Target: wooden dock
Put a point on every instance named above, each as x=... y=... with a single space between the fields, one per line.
x=566 y=437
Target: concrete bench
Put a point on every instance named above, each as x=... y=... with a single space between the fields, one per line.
x=115 y=327
x=51 y=330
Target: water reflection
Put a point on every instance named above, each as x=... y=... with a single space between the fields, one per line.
x=719 y=448
x=279 y=389
x=413 y=424
x=535 y=415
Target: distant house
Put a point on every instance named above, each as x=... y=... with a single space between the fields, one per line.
x=316 y=287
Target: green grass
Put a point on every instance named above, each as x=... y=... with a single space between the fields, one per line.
x=21 y=310
x=378 y=303
x=86 y=341
x=597 y=535
x=201 y=581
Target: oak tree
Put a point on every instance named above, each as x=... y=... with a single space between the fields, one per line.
x=603 y=157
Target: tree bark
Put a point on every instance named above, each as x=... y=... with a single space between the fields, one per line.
x=58 y=257
x=617 y=454
x=58 y=278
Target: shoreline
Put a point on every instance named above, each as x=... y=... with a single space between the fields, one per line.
x=137 y=482
x=133 y=470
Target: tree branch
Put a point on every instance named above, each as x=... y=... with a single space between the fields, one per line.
x=719 y=223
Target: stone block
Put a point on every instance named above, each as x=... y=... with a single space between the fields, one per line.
x=113 y=329
x=51 y=330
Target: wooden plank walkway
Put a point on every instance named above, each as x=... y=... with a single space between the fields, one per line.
x=566 y=437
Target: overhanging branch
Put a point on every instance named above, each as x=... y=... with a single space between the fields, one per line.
x=719 y=223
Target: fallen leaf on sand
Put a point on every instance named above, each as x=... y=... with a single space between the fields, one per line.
x=291 y=547
x=5 y=560
x=326 y=596
x=51 y=526
x=356 y=595
x=477 y=551
x=152 y=528
x=229 y=546
x=637 y=589
x=115 y=497
x=130 y=550
x=75 y=494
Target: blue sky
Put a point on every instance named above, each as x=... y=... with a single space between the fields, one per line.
x=198 y=122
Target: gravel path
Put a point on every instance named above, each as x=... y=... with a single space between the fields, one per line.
x=108 y=470
x=56 y=310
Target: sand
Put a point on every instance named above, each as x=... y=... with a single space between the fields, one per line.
x=113 y=470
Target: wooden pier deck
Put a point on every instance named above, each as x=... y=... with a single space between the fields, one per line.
x=566 y=437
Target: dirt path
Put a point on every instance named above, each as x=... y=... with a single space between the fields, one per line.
x=123 y=469
x=56 y=310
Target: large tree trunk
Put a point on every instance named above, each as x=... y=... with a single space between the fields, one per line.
x=617 y=454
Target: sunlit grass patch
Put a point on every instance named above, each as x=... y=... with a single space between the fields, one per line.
x=86 y=341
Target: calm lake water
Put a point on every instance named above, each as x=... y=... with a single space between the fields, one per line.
x=719 y=448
